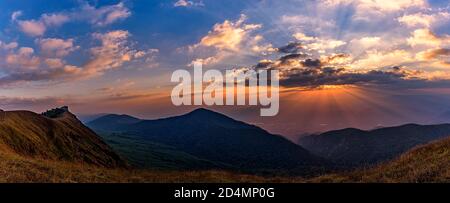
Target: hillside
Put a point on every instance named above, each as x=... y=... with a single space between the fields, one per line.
x=222 y=140
x=429 y=163
x=18 y=169
x=59 y=137
x=145 y=154
x=356 y=147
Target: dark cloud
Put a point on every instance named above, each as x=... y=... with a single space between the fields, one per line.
x=339 y=76
x=263 y=65
x=291 y=48
x=311 y=63
x=285 y=59
x=39 y=76
x=297 y=70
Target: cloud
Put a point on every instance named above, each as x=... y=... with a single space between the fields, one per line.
x=54 y=63
x=257 y=47
x=291 y=48
x=15 y=15
x=315 y=23
x=376 y=68
x=366 y=42
x=105 y=15
x=424 y=20
x=435 y=53
x=376 y=59
x=439 y=57
x=54 y=47
x=23 y=65
x=22 y=59
x=313 y=73
x=112 y=52
x=186 y=3
x=32 y=27
x=54 y=20
x=425 y=37
x=230 y=38
x=228 y=35
x=27 y=102
x=39 y=27
x=313 y=78
x=8 y=46
x=318 y=44
x=100 y=16
x=365 y=9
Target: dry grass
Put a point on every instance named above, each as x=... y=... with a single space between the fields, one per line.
x=425 y=164
x=18 y=169
x=32 y=135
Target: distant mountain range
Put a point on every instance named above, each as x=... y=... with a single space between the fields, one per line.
x=54 y=135
x=207 y=135
x=356 y=147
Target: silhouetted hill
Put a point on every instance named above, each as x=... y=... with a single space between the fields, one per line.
x=113 y=122
x=54 y=135
x=215 y=137
x=358 y=147
x=86 y=118
x=144 y=154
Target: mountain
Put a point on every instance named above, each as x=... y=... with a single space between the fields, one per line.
x=86 y=118
x=54 y=135
x=356 y=147
x=215 y=137
x=113 y=122
x=422 y=164
x=145 y=154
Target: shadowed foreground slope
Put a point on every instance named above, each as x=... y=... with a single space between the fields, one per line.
x=17 y=169
x=64 y=138
x=429 y=163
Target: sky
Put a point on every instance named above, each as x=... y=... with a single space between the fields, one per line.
x=342 y=63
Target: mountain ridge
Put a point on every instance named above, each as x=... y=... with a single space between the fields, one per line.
x=429 y=163
x=213 y=136
x=358 y=147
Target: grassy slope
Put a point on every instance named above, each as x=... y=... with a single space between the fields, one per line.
x=429 y=163
x=65 y=138
x=18 y=169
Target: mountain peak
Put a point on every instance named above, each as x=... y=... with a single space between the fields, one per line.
x=202 y=113
x=56 y=112
x=121 y=116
